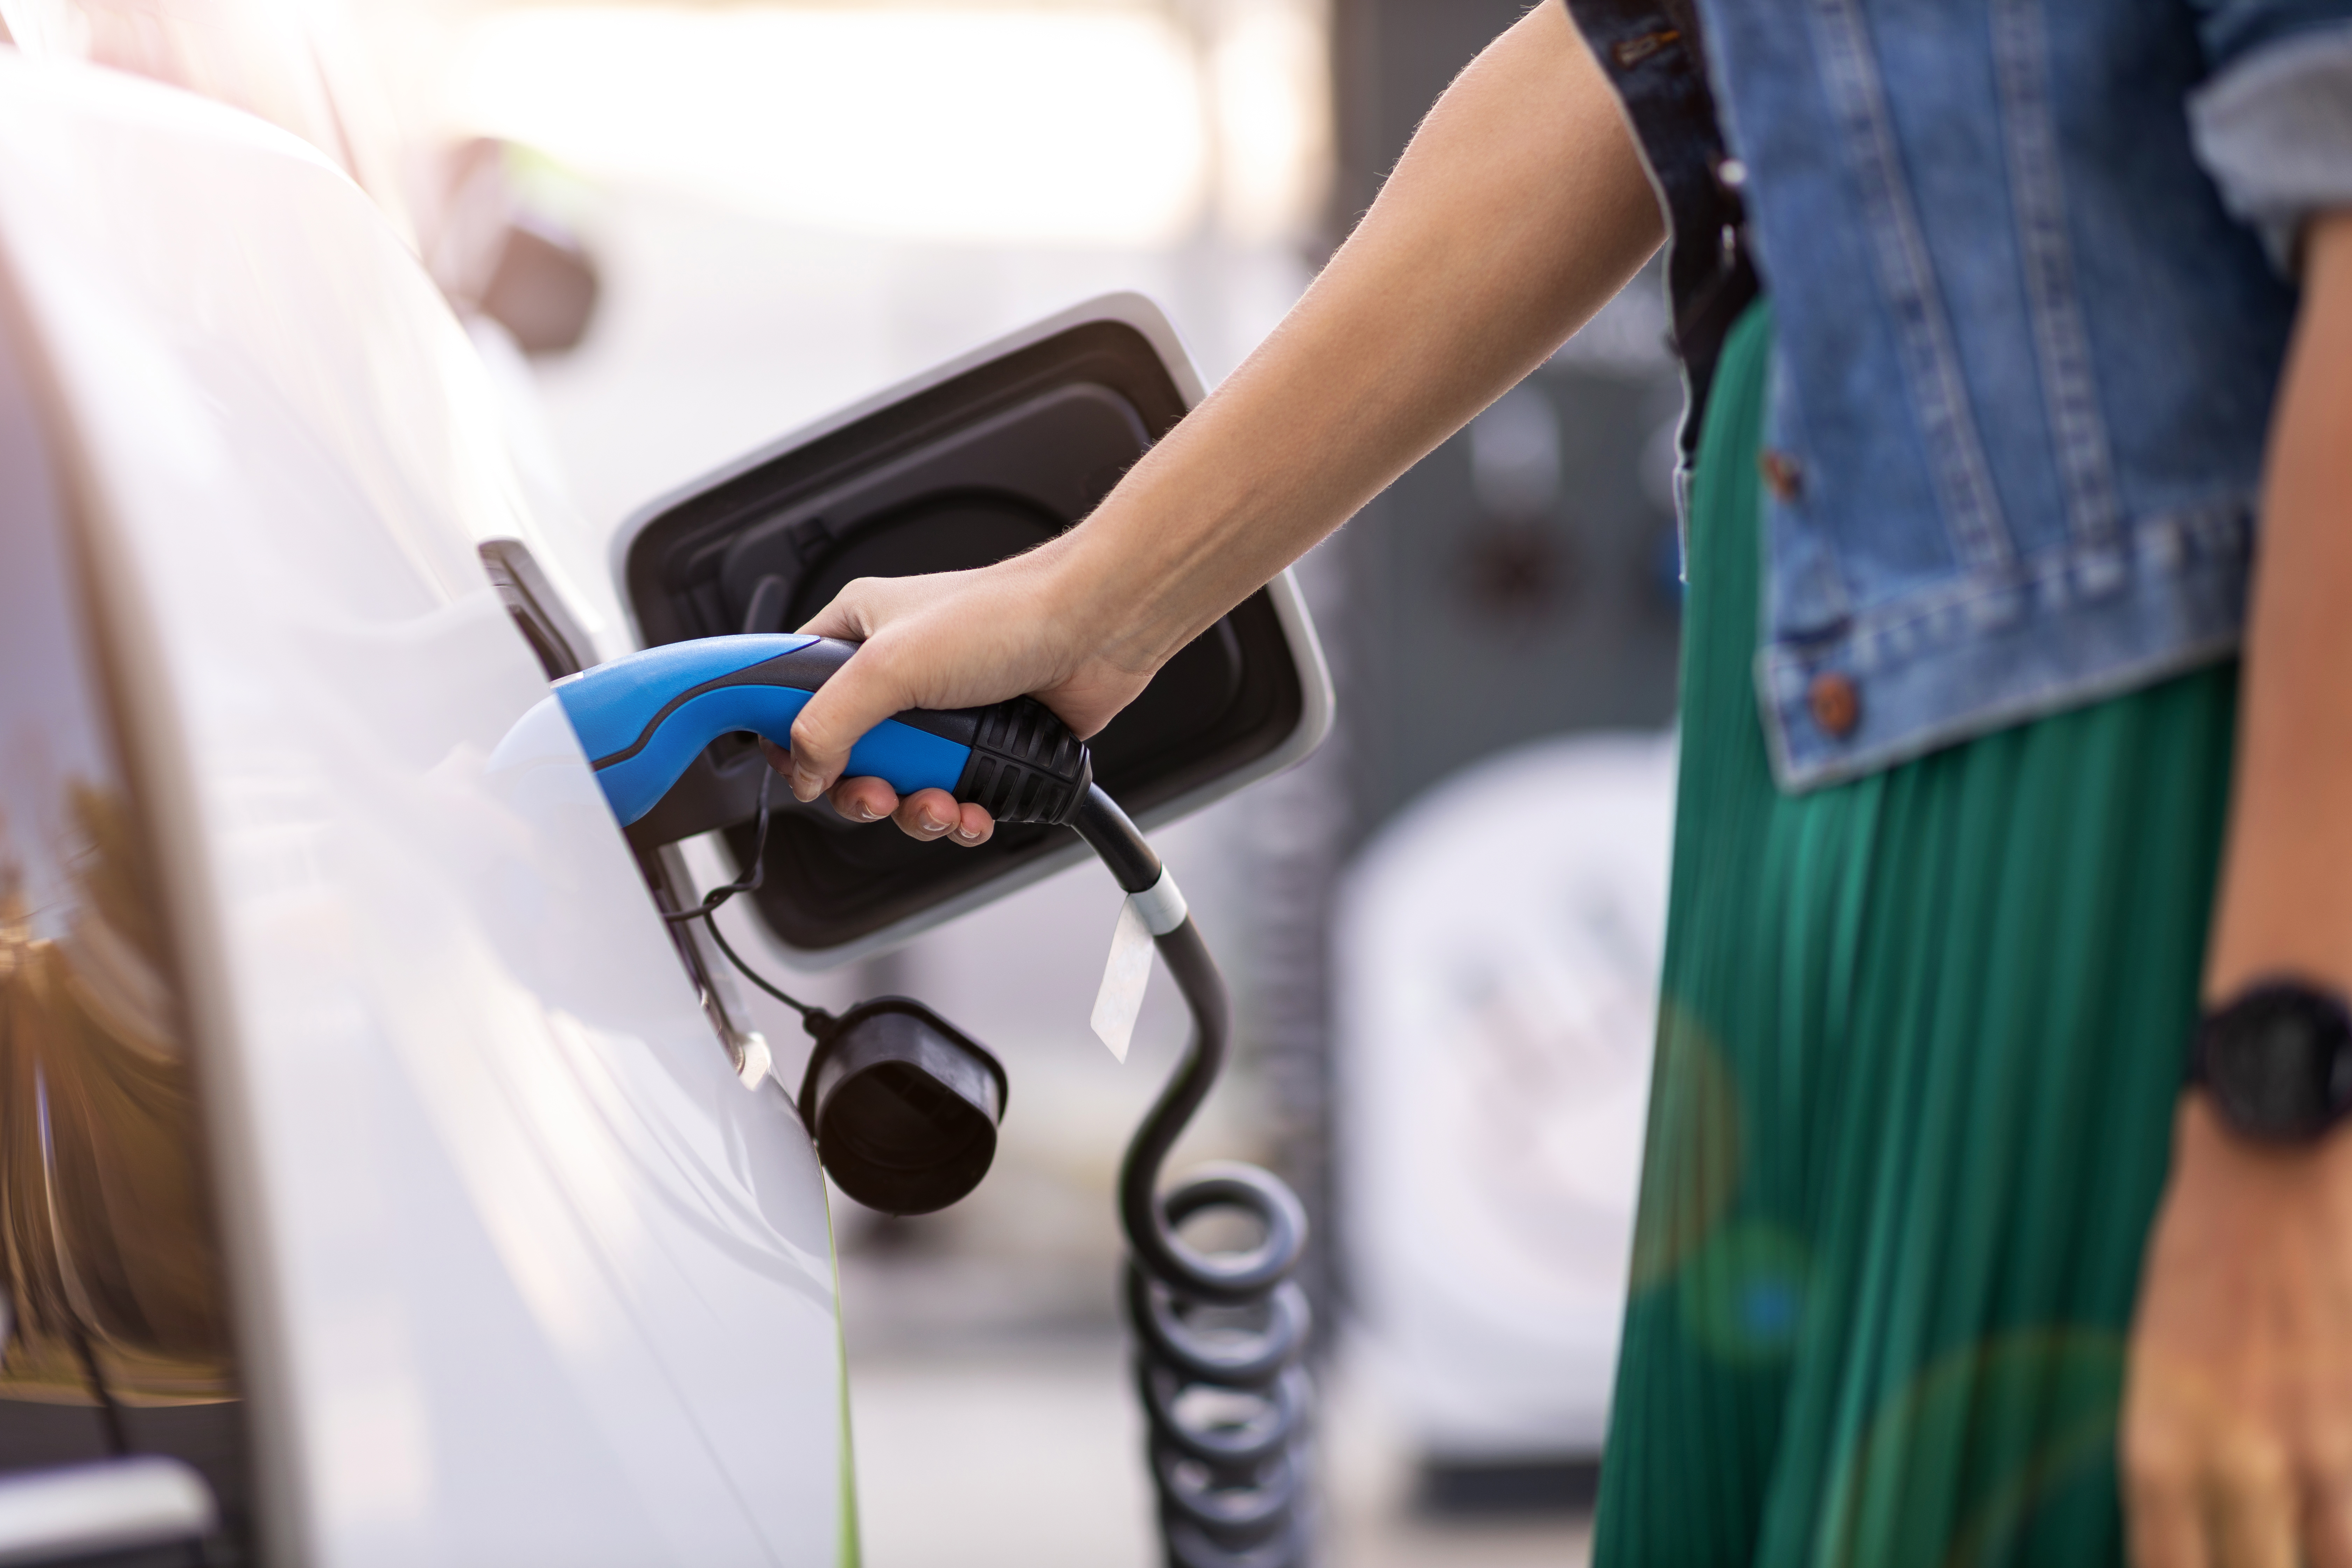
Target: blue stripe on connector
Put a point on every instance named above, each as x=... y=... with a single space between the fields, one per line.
x=611 y=705
x=906 y=758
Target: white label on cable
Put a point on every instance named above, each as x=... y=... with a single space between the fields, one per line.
x=1162 y=905
x=1120 y=1000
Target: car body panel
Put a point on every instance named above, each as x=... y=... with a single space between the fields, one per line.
x=525 y=1272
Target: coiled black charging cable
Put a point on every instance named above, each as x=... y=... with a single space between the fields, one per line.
x=1221 y=1338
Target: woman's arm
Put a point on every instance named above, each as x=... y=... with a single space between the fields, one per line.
x=2238 y=1425
x=1520 y=207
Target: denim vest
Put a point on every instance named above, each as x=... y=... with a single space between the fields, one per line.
x=2027 y=332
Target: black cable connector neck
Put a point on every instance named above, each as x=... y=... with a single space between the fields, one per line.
x=1134 y=865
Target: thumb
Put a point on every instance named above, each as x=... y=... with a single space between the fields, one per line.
x=863 y=693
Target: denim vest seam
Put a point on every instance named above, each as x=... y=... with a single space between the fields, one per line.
x=2078 y=430
x=1857 y=98
x=2201 y=553
x=1978 y=719
x=2169 y=544
x=1818 y=589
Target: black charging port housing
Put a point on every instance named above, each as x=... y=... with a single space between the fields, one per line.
x=973 y=463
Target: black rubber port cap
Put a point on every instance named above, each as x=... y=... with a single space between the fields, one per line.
x=904 y=1107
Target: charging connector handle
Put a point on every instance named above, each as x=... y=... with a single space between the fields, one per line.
x=644 y=717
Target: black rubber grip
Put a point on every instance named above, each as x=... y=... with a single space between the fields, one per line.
x=1026 y=765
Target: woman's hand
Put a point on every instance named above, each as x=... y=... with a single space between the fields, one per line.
x=2237 y=1427
x=2237 y=1437
x=956 y=639
x=1519 y=208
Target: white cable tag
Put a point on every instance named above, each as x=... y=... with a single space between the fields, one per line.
x=1120 y=999
x=1162 y=905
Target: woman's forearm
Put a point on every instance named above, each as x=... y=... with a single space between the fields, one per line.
x=2286 y=891
x=2238 y=1411
x=1519 y=208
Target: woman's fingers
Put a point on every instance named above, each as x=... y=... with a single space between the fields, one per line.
x=857 y=800
x=2201 y=1499
x=864 y=800
x=2251 y=1506
x=932 y=814
x=2328 y=1518
x=859 y=695
x=2164 y=1514
x=927 y=815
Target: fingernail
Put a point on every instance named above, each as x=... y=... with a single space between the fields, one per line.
x=806 y=785
x=866 y=813
x=969 y=835
x=933 y=825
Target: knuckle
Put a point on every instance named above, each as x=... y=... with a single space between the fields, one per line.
x=876 y=661
x=814 y=727
x=2250 y=1466
x=859 y=599
x=2153 y=1483
x=2324 y=1476
x=2158 y=1462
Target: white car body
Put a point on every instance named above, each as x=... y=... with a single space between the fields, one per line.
x=525 y=1273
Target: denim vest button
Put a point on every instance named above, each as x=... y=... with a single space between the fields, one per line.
x=1781 y=474
x=1835 y=702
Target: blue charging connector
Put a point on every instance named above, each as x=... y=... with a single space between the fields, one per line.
x=644 y=717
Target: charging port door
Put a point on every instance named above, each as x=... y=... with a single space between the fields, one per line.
x=977 y=460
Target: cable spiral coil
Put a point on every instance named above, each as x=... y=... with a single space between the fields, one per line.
x=1222 y=1337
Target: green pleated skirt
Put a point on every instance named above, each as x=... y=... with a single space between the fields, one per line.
x=1918 y=1051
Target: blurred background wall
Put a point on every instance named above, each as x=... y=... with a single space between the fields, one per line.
x=680 y=229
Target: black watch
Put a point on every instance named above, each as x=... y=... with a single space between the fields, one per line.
x=2277 y=1060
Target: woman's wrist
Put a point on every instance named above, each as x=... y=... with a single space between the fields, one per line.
x=1123 y=586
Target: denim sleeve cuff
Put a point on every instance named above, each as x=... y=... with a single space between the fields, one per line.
x=2275 y=130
